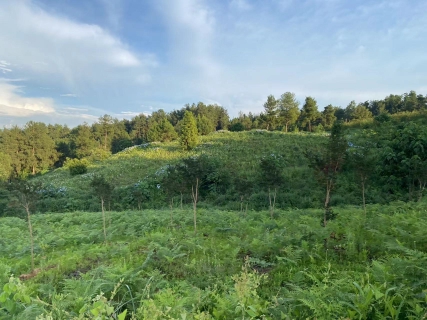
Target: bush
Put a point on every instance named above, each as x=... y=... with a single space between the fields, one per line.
x=76 y=166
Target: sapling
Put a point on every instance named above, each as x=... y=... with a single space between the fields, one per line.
x=195 y=195
x=103 y=190
x=26 y=195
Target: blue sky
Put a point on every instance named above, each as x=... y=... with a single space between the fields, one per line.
x=70 y=61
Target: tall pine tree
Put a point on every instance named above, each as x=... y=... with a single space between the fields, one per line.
x=189 y=135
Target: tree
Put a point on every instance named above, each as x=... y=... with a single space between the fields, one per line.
x=410 y=102
x=393 y=103
x=188 y=137
x=377 y=107
x=405 y=157
x=40 y=152
x=271 y=175
x=139 y=130
x=166 y=131
x=204 y=125
x=328 y=116
x=106 y=123
x=26 y=195
x=140 y=192
x=363 y=158
x=270 y=107
x=5 y=166
x=309 y=112
x=327 y=163
x=288 y=109
x=349 y=111
x=13 y=144
x=83 y=141
x=361 y=112
x=103 y=190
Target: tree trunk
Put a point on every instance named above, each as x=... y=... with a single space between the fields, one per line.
x=327 y=199
x=272 y=204
x=363 y=197
x=181 y=200
x=171 y=213
x=103 y=220
x=195 y=196
x=34 y=167
x=286 y=127
x=422 y=187
x=30 y=228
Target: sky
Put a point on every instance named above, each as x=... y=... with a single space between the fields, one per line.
x=72 y=61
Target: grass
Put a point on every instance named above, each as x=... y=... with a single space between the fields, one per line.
x=240 y=150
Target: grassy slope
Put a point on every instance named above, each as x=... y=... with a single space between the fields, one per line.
x=386 y=253
x=241 y=151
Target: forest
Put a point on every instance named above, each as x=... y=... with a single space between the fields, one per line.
x=293 y=213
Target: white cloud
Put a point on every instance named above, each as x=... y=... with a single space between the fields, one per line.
x=55 y=49
x=192 y=26
x=5 y=66
x=70 y=95
x=12 y=104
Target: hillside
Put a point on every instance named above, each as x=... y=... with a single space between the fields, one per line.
x=262 y=240
x=236 y=155
x=240 y=150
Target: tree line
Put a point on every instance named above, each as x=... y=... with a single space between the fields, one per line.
x=38 y=147
x=284 y=113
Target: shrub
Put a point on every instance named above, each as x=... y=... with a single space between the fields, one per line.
x=76 y=166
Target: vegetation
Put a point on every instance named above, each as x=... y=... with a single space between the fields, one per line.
x=137 y=224
x=373 y=268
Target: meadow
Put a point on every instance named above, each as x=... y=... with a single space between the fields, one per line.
x=237 y=266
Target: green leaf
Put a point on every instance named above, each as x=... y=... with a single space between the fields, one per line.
x=122 y=315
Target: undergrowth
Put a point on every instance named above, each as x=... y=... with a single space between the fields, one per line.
x=238 y=266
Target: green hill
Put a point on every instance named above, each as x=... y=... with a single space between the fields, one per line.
x=266 y=246
x=235 y=155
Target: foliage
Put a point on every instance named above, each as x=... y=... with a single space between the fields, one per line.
x=373 y=268
x=328 y=162
x=76 y=166
x=188 y=136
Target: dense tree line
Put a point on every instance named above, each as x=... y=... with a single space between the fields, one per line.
x=284 y=113
x=38 y=147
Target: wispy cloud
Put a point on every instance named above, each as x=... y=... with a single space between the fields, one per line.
x=5 y=66
x=70 y=95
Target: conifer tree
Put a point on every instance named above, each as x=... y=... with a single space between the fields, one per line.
x=188 y=137
x=309 y=112
x=270 y=107
x=288 y=109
